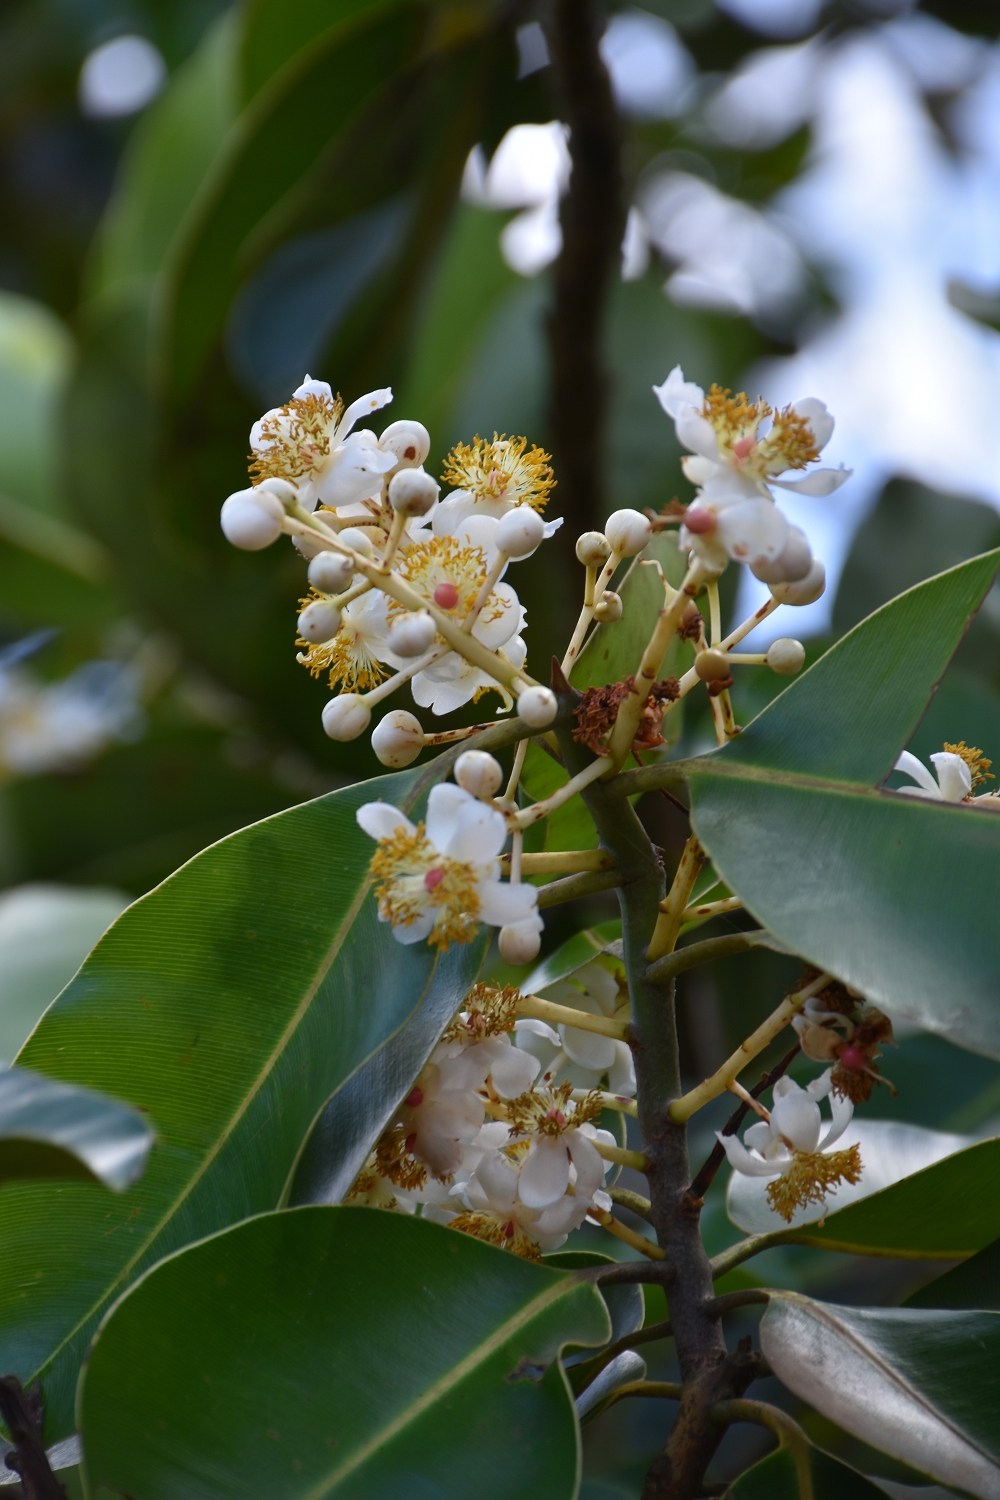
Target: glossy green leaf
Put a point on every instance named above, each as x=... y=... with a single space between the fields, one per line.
x=775 y=1478
x=975 y=1283
x=229 y=1004
x=900 y=902
x=578 y=950
x=50 y=1129
x=339 y=1351
x=918 y=1196
x=46 y=931
x=921 y=1385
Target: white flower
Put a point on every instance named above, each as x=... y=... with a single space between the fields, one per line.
x=452 y=681
x=311 y=442
x=787 y=1146
x=954 y=777
x=352 y=658
x=567 y=1052
x=438 y=882
x=734 y=463
x=59 y=726
x=491 y=478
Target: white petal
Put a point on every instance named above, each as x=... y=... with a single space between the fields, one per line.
x=588 y=1048
x=818 y=417
x=513 y=1071
x=492 y=1135
x=601 y=985
x=531 y=1027
x=503 y=905
x=502 y=617
x=380 y=820
x=954 y=776
x=416 y=931
x=819 y=1088
x=479 y=833
x=551 y=527
x=842 y=1110
x=363 y=407
x=544 y=1177
x=621 y=1074
x=819 y=482
x=797 y=1118
x=759 y=1136
x=450 y=513
x=739 y=1156
x=697 y=434
x=911 y=766
x=590 y=1165
x=498 y=1181
x=676 y=393
x=444 y=804
x=697 y=469
x=752 y=530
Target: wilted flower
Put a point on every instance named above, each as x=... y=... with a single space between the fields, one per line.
x=733 y=463
x=787 y=1146
x=437 y=883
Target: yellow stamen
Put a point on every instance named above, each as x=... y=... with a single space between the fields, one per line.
x=489 y=1012
x=811 y=1176
x=976 y=761
x=504 y=469
x=298 y=435
x=504 y=1233
x=402 y=864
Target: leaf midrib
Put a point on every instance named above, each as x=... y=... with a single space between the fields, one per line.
x=441 y=1387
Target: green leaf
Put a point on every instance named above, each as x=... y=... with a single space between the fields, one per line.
x=975 y=1283
x=230 y=1004
x=921 y=1385
x=900 y=903
x=46 y=931
x=775 y=1478
x=339 y=1351
x=918 y=1196
x=50 y=1129
x=578 y=950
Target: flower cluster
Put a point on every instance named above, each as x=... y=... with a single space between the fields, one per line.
x=786 y=1145
x=405 y=586
x=476 y=1146
x=737 y=451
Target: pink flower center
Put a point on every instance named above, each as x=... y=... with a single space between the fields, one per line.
x=410 y=1142
x=698 y=520
x=415 y=1097
x=854 y=1059
x=446 y=596
x=433 y=879
x=744 y=446
x=508 y=1230
x=557 y=1115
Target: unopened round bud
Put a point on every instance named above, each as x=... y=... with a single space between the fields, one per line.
x=792 y=563
x=410 y=441
x=283 y=490
x=330 y=572
x=806 y=591
x=628 y=532
x=251 y=519
x=308 y=547
x=593 y=549
x=412 y=634
x=397 y=739
x=786 y=657
x=412 y=492
x=609 y=608
x=319 y=622
x=478 y=773
x=519 y=943
x=711 y=665
x=520 y=532
x=346 y=716
x=537 y=706
x=357 y=540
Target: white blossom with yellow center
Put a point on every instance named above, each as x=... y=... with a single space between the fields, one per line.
x=311 y=442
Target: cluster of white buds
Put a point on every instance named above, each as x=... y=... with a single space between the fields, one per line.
x=405 y=586
x=484 y=1145
x=737 y=451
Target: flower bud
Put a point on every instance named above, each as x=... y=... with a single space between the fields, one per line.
x=412 y=634
x=357 y=540
x=609 y=608
x=593 y=549
x=628 y=532
x=519 y=943
x=520 y=532
x=251 y=519
x=330 y=572
x=410 y=441
x=412 y=492
x=308 y=546
x=792 y=563
x=537 y=706
x=478 y=773
x=319 y=622
x=786 y=656
x=283 y=490
x=397 y=739
x=711 y=665
x=806 y=590
x=346 y=716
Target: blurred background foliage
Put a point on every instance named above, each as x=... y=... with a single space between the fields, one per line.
x=240 y=194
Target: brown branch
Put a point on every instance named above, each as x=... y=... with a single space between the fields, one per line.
x=702 y=1180
x=22 y=1413
x=593 y=223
